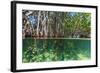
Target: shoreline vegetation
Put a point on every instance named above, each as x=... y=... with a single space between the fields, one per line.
x=50 y=24
x=59 y=38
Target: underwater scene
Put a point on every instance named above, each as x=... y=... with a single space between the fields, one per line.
x=46 y=50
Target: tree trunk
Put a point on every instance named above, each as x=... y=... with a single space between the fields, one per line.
x=38 y=23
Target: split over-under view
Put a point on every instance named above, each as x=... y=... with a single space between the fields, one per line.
x=49 y=36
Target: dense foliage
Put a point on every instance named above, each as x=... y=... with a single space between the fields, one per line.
x=56 y=24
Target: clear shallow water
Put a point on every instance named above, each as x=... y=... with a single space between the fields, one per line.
x=41 y=50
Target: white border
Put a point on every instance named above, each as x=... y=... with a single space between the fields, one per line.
x=21 y=65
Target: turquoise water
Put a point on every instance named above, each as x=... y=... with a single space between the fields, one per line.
x=42 y=50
